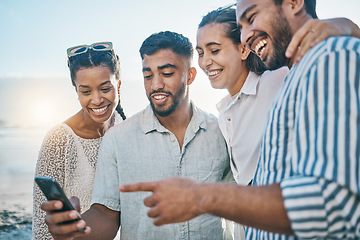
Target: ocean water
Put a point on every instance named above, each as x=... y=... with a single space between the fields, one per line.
x=19 y=148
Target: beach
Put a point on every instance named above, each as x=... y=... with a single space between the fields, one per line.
x=16 y=205
x=18 y=153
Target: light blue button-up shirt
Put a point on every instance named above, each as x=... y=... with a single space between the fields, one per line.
x=141 y=149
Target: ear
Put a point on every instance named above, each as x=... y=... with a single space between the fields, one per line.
x=118 y=87
x=191 y=75
x=244 y=52
x=293 y=6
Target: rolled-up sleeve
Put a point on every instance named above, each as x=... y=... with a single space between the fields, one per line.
x=106 y=183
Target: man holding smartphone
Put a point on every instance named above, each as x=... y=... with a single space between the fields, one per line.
x=171 y=137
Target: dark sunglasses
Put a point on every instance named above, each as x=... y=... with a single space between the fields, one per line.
x=99 y=46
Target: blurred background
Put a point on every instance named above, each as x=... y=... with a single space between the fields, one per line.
x=35 y=87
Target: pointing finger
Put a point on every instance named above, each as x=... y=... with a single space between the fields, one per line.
x=136 y=187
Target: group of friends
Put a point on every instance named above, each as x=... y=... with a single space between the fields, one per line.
x=281 y=161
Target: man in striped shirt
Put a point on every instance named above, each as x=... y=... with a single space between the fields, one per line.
x=307 y=184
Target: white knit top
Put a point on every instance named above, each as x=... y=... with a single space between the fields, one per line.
x=71 y=160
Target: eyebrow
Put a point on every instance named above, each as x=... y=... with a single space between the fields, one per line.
x=168 y=65
x=209 y=44
x=146 y=69
x=85 y=86
x=243 y=15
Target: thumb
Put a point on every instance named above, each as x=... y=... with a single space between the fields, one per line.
x=75 y=202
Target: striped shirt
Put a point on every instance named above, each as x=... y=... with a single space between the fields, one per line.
x=311 y=144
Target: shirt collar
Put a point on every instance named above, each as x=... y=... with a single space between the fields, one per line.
x=149 y=122
x=249 y=88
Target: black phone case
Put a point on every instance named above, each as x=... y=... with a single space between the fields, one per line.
x=53 y=191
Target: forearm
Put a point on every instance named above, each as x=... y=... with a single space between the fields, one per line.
x=251 y=206
x=104 y=223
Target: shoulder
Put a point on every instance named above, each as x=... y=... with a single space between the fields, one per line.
x=205 y=120
x=273 y=78
x=128 y=125
x=58 y=133
x=335 y=44
x=203 y=115
x=330 y=47
x=277 y=73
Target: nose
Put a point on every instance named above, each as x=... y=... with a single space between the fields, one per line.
x=97 y=98
x=157 y=82
x=246 y=35
x=205 y=61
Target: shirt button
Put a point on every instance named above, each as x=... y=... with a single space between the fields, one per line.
x=182 y=224
x=229 y=119
x=172 y=139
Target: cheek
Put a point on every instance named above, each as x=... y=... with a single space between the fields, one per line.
x=83 y=100
x=147 y=86
x=200 y=63
x=113 y=96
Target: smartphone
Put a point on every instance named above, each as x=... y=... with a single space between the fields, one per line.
x=52 y=191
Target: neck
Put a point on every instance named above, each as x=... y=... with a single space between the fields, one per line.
x=179 y=118
x=239 y=82
x=178 y=121
x=85 y=127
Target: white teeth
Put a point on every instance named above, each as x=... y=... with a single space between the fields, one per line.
x=212 y=73
x=99 y=110
x=261 y=44
x=158 y=97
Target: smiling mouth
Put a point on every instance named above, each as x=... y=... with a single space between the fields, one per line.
x=159 y=97
x=99 y=110
x=260 y=47
x=213 y=73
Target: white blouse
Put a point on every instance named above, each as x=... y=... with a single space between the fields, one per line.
x=71 y=160
x=242 y=120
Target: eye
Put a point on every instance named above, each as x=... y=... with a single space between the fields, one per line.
x=200 y=54
x=215 y=51
x=147 y=77
x=251 y=18
x=168 y=74
x=106 y=89
x=84 y=92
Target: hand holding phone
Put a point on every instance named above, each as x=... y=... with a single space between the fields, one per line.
x=53 y=191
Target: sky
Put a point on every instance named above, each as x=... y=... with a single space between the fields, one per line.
x=35 y=35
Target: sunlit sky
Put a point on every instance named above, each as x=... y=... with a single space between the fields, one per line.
x=34 y=36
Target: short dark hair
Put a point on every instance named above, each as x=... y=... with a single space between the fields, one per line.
x=93 y=58
x=227 y=17
x=167 y=40
x=310 y=6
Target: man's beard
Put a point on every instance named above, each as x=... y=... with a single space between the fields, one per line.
x=162 y=111
x=281 y=39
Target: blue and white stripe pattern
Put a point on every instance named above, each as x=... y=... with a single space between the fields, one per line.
x=311 y=144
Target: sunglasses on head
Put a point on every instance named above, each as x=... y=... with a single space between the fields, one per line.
x=226 y=7
x=99 y=46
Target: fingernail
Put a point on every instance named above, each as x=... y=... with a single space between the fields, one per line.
x=73 y=214
x=57 y=205
x=80 y=224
